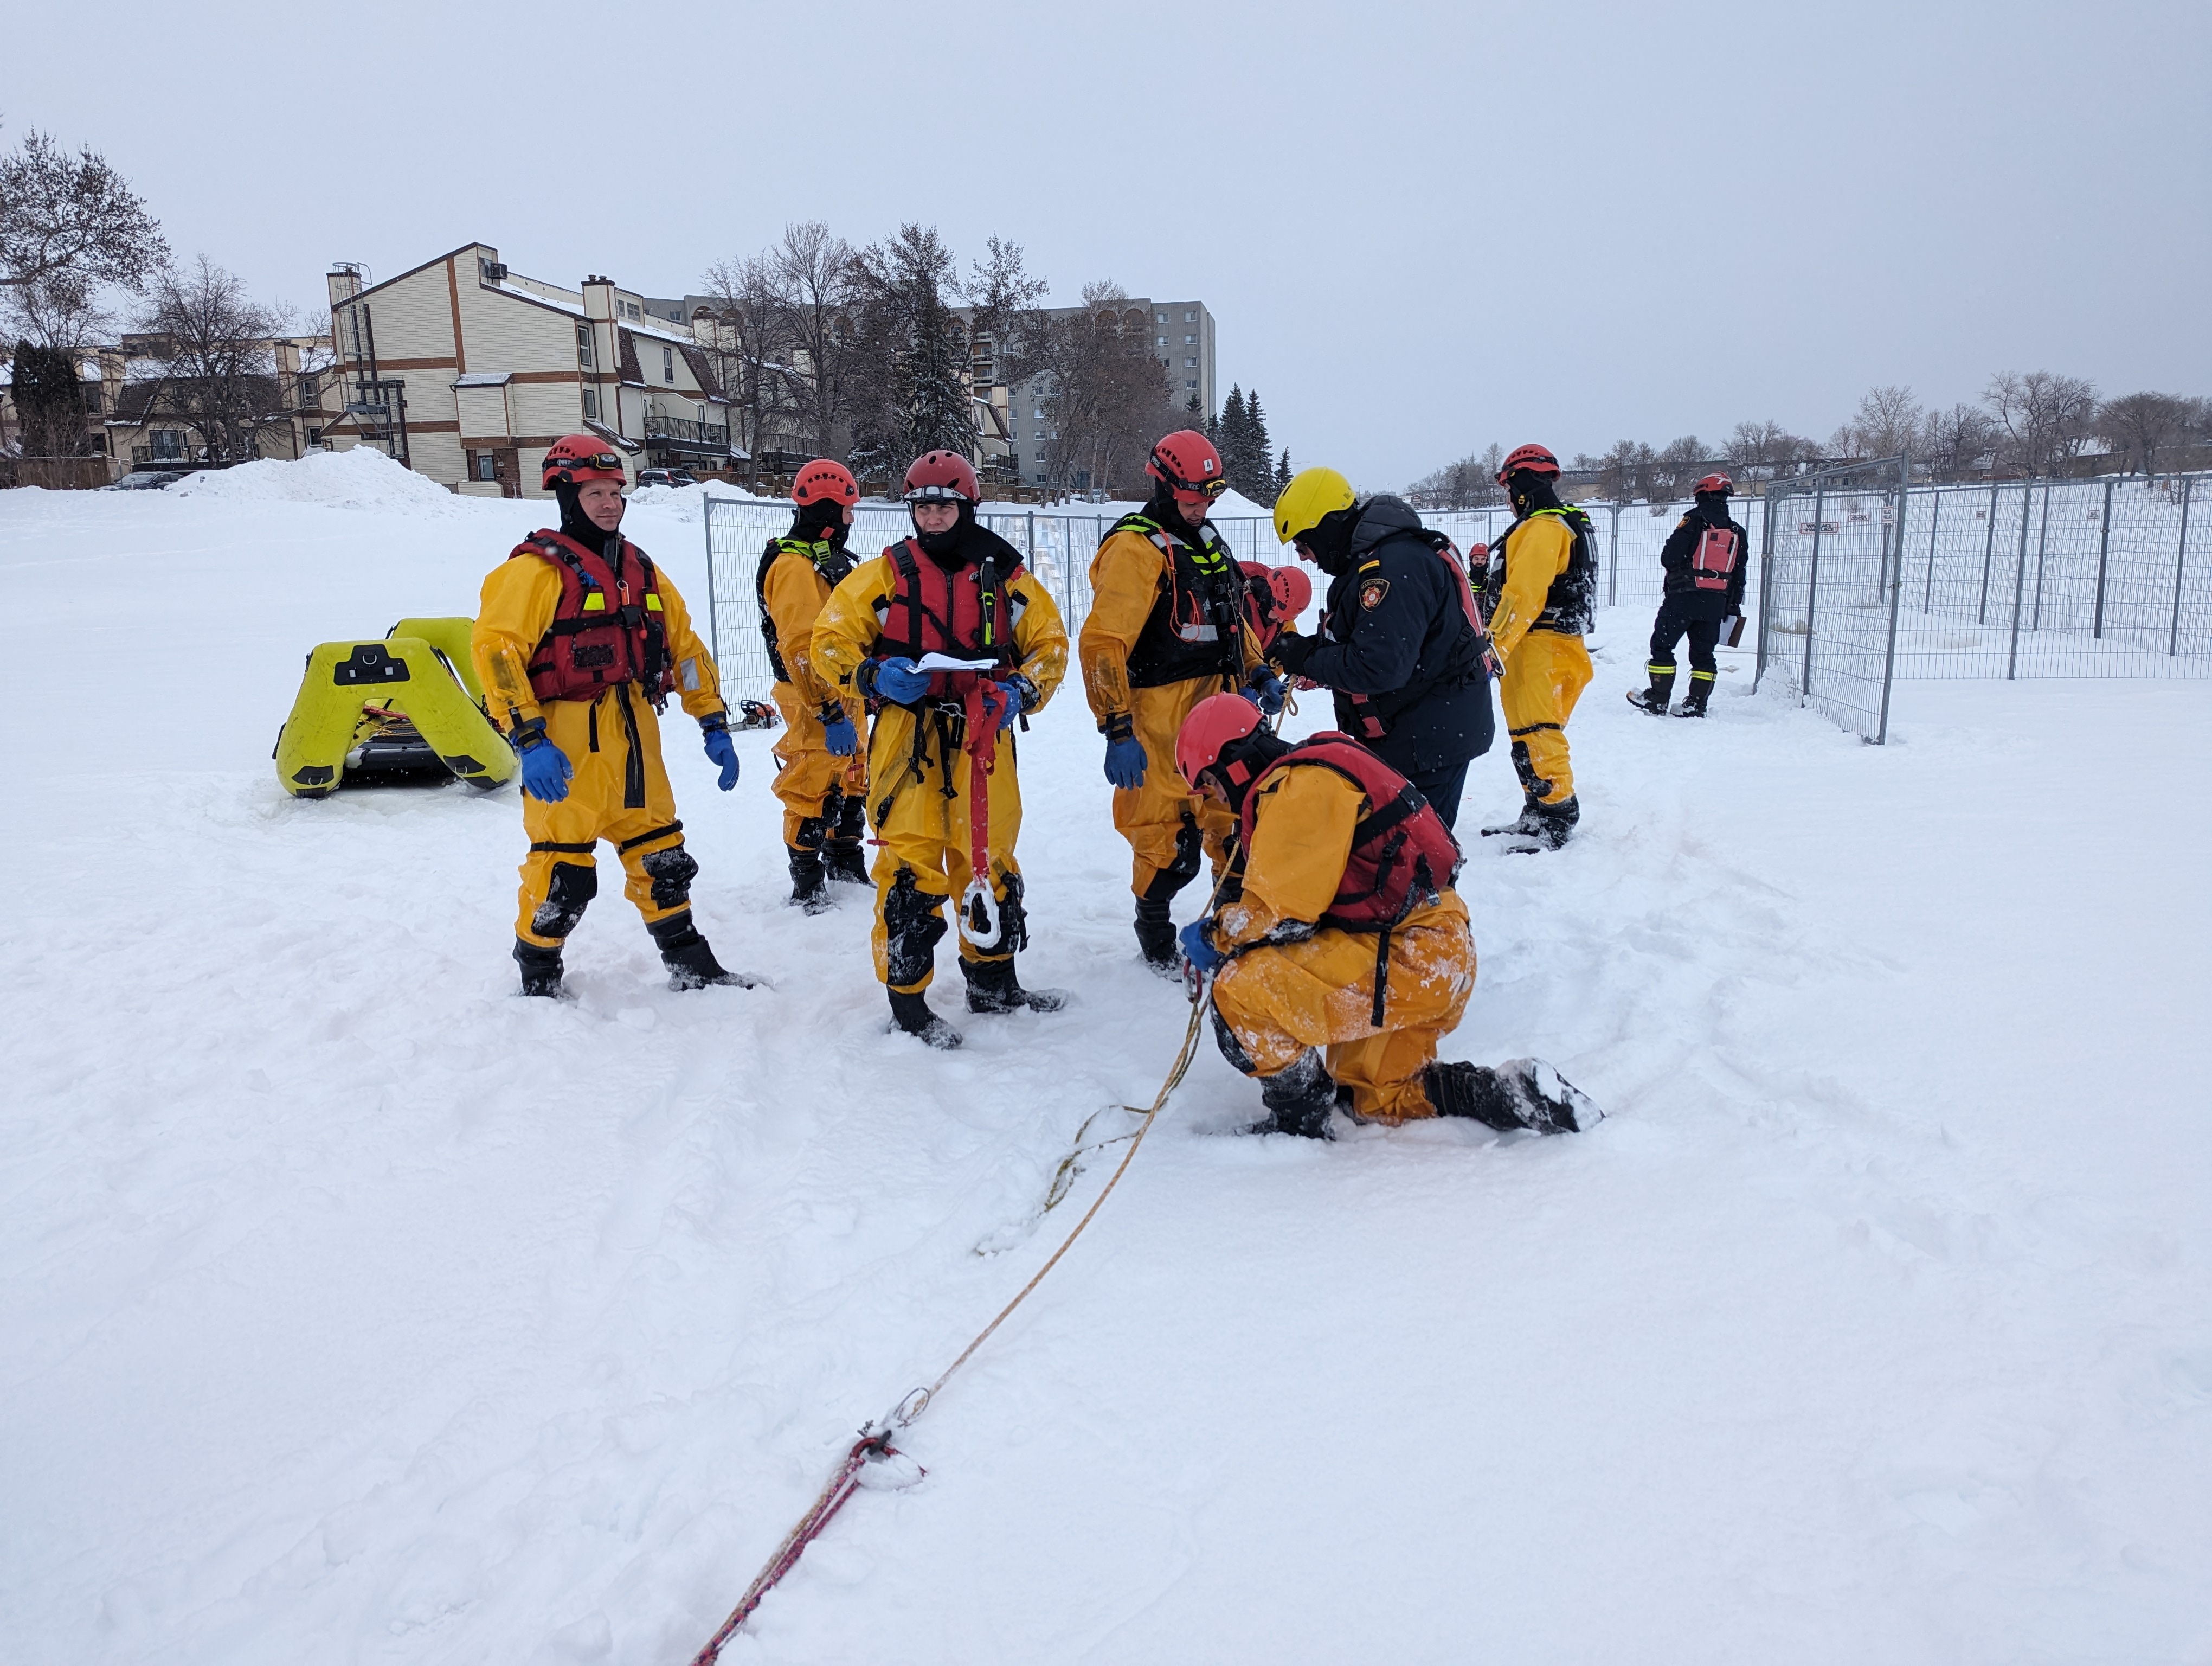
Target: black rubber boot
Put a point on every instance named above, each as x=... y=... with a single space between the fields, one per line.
x=810 y=884
x=847 y=850
x=993 y=988
x=1701 y=689
x=1521 y=1093
x=1156 y=936
x=1298 y=1099
x=692 y=964
x=911 y=1013
x=541 y=969
x=1555 y=823
x=1655 y=698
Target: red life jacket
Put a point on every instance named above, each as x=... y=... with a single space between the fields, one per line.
x=1402 y=853
x=1712 y=564
x=967 y=612
x=608 y=628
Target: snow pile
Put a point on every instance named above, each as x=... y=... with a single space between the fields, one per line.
x=688 y=504
x=357 y=1310
x=360 y=478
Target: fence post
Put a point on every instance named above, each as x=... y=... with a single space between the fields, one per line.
x=1811 y=587
x=2104 y=551
x=1613 y=564
x=1989 y=556
x=1896 y=596
x=1067 y=574
x=714 y=612
x=1765 y=589
x=2018 y=582
x=1935 y=514
x=2042 y=550
x=2180 y=562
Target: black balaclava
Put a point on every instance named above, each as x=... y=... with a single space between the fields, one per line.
x=949 y=549
x=1330 y=540
x=580 y=527
x=1531 y=491
x=822 y=521
x=1256 y=751
x=1715 y=506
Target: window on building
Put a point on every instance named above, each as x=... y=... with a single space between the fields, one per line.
x=591 y=405
x=310 y=391
x=314 y=437
x=1190 y=318
x=1190 y=364
x=167 y=445
x=486 y=465
x=1164 y=341
x=584 y=345
x=1163 y=318
x=668 y=364
x=91 y=398
x=1193 y=386
x=1038 y=413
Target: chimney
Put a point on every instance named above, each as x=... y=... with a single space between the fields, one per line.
x=345 y=281
x=598 y=298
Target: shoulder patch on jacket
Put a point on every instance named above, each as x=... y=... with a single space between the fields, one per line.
x=1372 y=592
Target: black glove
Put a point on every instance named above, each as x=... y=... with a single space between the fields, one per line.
x=1291 y=651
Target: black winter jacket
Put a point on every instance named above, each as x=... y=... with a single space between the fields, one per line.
x=1681 y=589
x=1396 y=632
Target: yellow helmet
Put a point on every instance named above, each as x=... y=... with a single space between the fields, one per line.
x=1311 y=493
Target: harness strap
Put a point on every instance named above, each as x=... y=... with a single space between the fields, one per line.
x=584 y=849
x=1381 y=975
x=647 y=838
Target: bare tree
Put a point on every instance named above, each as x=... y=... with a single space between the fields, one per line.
x=1003 y=323
x=813 y=281
x=1678 y=466
x=2042 y=415
x=1469 y=483
x=1887 y=423
x=72 y=218
x=1109 y=397
x=2142 y=422
x=749 y=346
x=214 y=346
x=1625 y=472
x=1954 y=442
x=1766 y=445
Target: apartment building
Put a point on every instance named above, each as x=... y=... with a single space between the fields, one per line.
x=1182 y=337
x=467 y=372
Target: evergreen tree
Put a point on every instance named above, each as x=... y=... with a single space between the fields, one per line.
x=1228 y=439
x=1247 y=456
x=1282 y=472
x=50 y=401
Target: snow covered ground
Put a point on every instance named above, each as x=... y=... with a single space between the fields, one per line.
x=356 y=1311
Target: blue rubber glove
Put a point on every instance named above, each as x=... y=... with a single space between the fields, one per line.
x=1125 y=755
x=838 y=734
x=722 y=749
x=1198 y=947
x=546 y=771
x=1265 y=691
x=1021 y=698
x=901 y=681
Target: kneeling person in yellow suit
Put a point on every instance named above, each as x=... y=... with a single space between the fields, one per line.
x=941 y=766
x=579 y=640
x=1346 y=956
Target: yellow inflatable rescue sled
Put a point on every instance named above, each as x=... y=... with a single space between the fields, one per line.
x=405 y=708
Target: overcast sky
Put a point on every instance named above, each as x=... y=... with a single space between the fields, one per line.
x=1420 y=228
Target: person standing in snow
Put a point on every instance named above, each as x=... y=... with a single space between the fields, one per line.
x=1345 y=936
x=823 y=779
x=1399 y=644
x=1706 y=560
x=1167 y=627
x=579 y=642
x=1545 y=569
x=942 y=737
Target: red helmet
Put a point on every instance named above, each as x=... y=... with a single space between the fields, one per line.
x=941 y=477
x=1188 y=463
x=1293 y=590
x=582 y=457
x=1715 y=482
x=1535 y=458
x=822 y=480
x=1214 y=723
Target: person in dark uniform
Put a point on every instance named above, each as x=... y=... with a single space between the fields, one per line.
x=1400 y=645
x=1705 y=559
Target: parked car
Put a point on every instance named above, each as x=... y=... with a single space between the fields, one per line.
x=667 y=477
x=147 y=480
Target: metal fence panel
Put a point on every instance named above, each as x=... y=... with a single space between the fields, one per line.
x=1829 y=598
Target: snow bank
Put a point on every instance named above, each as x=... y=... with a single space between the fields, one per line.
x=360 y=478
x=688 y=504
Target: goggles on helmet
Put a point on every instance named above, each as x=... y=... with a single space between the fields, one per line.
x=934 y=493
x=605 y=460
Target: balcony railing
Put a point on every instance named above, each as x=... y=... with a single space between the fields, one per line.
x=680 y=434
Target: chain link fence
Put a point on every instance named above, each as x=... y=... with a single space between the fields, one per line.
x=1869 y=580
